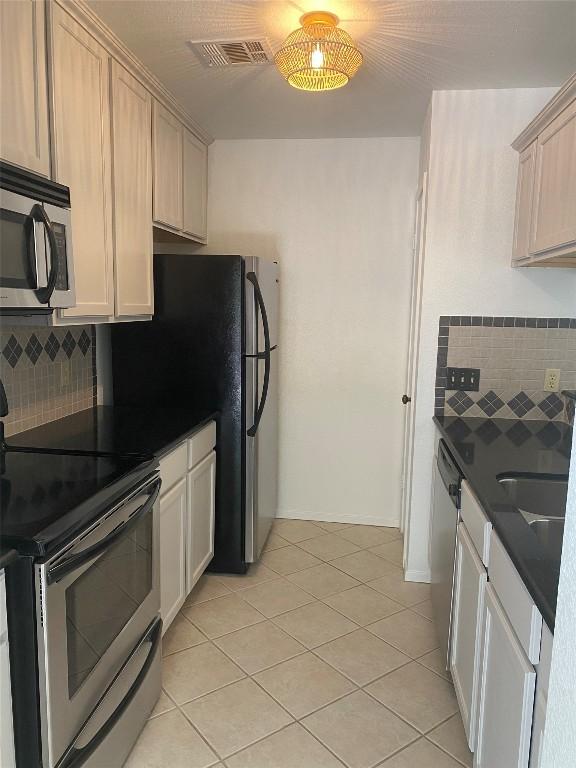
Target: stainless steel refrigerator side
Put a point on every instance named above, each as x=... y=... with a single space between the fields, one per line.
x=262 y=449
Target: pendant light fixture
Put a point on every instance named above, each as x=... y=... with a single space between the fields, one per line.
x=318 y=56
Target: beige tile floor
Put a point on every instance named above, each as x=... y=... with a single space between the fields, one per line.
x=320 y=657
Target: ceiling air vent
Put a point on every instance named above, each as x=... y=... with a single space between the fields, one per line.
x=226 y=53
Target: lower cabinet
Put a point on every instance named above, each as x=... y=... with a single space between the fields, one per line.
x=506 y=693
x=187 y=516
x=201 y=498
x=173 y=531
x=470 y=579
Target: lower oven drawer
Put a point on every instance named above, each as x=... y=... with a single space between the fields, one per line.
x=107 y=738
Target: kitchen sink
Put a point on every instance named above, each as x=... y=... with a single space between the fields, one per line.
x=542 y=496
x=550 y=533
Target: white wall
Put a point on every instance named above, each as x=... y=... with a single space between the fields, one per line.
x=471 y=195
x=338 y=215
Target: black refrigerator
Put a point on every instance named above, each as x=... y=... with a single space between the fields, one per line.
x=213 y=341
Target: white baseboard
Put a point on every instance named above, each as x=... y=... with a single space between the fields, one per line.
x=322 y=517
x=420 y=576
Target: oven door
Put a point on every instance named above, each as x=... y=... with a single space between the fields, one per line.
x=98 y=599
x=23 y=253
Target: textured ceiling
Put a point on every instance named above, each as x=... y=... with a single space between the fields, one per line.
x=410 y=48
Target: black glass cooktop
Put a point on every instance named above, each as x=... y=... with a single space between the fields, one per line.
x=46 y=498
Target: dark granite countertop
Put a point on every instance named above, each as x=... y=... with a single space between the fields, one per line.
x=7 y=556
x=487 y=448
x=145 y=432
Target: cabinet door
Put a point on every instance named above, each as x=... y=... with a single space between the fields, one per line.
x=173 y=514
x=7 y=758
x=538 y=730
x=81 y=107
x=24 y=109
x=195 y=174
x=132 y=182
x=506 y=693
x=524 y=200
x=470 y=579
x=167 y=168
x=554 y=211
x=201 y=493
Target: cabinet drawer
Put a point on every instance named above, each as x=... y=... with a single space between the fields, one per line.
x=524 y=617
x=201 y=444
x=476 y=522
x=173 y=467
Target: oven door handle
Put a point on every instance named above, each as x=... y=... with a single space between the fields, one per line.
x=45 y=294
x=58 y=572
x=75 y=757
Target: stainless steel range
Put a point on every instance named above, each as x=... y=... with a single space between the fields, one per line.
x=83 y=605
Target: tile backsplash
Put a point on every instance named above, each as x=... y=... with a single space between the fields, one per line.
x=48 y=373
x=512 y=354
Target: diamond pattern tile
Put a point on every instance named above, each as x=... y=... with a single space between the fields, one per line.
x=33 y=349
x=551 y=406
x=84 y=342
x=521 y=404
x=460 y=402
x=490 y=403
x=52 y=347
x=69 y=344
x=549 y=435
x=12 y=351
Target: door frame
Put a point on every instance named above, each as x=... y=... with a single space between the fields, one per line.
x=413 y=353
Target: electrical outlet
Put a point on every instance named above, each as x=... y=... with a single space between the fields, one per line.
x=552 y=380
x=65 y=373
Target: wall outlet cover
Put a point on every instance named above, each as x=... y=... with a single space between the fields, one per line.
x=463 y=379
x=552 y=380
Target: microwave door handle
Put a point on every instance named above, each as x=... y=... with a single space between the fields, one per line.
x=251 y=276
x=45 y=294
x=75 y=757
x=58 y=572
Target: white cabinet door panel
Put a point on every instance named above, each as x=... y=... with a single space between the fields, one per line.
x=81 y=107
x=194 y=170
x=524 y=200
x=24 y=138
x=132 y=183
x=469 y=584
x=167 y=139
x=173 y=528
x=7 y=758
x=506 y=700
x=554 y=211
x=201 y=504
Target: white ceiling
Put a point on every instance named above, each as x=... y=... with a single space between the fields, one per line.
x=410 y=48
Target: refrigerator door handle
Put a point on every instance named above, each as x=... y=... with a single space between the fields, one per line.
x=251 y=276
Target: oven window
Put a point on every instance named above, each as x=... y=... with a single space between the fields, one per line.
x=104 y=598
x=16 y=270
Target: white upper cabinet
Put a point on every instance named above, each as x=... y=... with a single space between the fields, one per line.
x=554 y=208
x=167 y=168
x=195 y=174
x=132 y=183
x=545 y=225
x=24 y=138
x=81 y=153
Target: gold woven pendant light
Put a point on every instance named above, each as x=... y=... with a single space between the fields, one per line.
x=318 y=56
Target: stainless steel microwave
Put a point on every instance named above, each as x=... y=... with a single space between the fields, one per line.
x=36 y=264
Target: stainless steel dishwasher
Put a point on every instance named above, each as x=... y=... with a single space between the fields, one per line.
x=442 y=542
